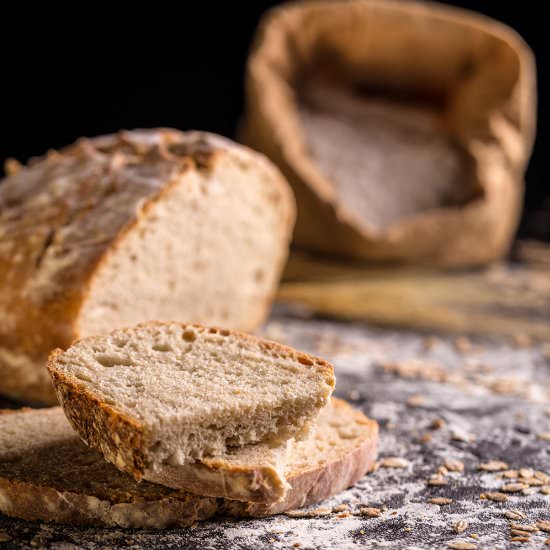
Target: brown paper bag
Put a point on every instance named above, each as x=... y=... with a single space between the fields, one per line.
x=404 y=128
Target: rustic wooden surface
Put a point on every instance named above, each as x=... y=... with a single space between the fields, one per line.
x=439 y=400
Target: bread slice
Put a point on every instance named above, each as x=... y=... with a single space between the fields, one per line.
x=195 y=225
x=171 y=393
x=48 y=474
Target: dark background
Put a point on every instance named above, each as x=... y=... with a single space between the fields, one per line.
x=90 y=71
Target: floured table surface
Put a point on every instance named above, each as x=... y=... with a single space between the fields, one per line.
x=445 y=405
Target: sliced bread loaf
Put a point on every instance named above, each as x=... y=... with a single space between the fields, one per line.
x=194 y=224
x=171 y=393
x=48 y=474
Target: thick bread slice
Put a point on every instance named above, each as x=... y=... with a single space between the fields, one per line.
x=48 y=474
x=171 y=393
x=192 y=223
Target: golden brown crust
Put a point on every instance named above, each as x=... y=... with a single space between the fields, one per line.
x=100 y=425
x=61 y=216
x=484 y=67
x=120 y=438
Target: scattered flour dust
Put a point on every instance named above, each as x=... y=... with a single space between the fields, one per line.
x=308 y=533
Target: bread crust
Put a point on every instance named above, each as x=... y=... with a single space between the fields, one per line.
x=65 y=213
x=121 y=439
x=38 y=503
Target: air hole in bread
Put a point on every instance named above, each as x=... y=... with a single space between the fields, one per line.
x=163 y=346
x=107 y=360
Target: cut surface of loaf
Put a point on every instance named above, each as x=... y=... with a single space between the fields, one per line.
x=172 y=393
x=193 y=224
x=47 y=473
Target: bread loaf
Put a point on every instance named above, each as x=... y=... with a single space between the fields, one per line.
x=137 y=226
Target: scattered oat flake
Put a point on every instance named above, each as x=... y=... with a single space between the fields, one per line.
x=440 y=501
x=542 y=476
x=416 y=401
x=437 y=423
x=454 y=465
x=341 y=508
x=545 y=489
x=370 y=512
x=459 y=435
x=343 y=515
x=442 y=470
x=514 y=514
x=544 y=525
x=510 y=474
x=495 y=497
x=460 y=526
x=520 y=539
x=524 y=527
x=526 y=472
x=437 y=480
x=308 y=513
x=297 y=545
x=529 y=491
x=519 y=533
x=474 y=536
x=462 y=545
x=463 y=344
x=425 y=438
x=394 y=462
x=547 y=542
x=4 y=537
x=514 y=487
x=493 y=466
x=544 y=436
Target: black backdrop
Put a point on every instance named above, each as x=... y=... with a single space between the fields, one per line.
x=92 y=70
